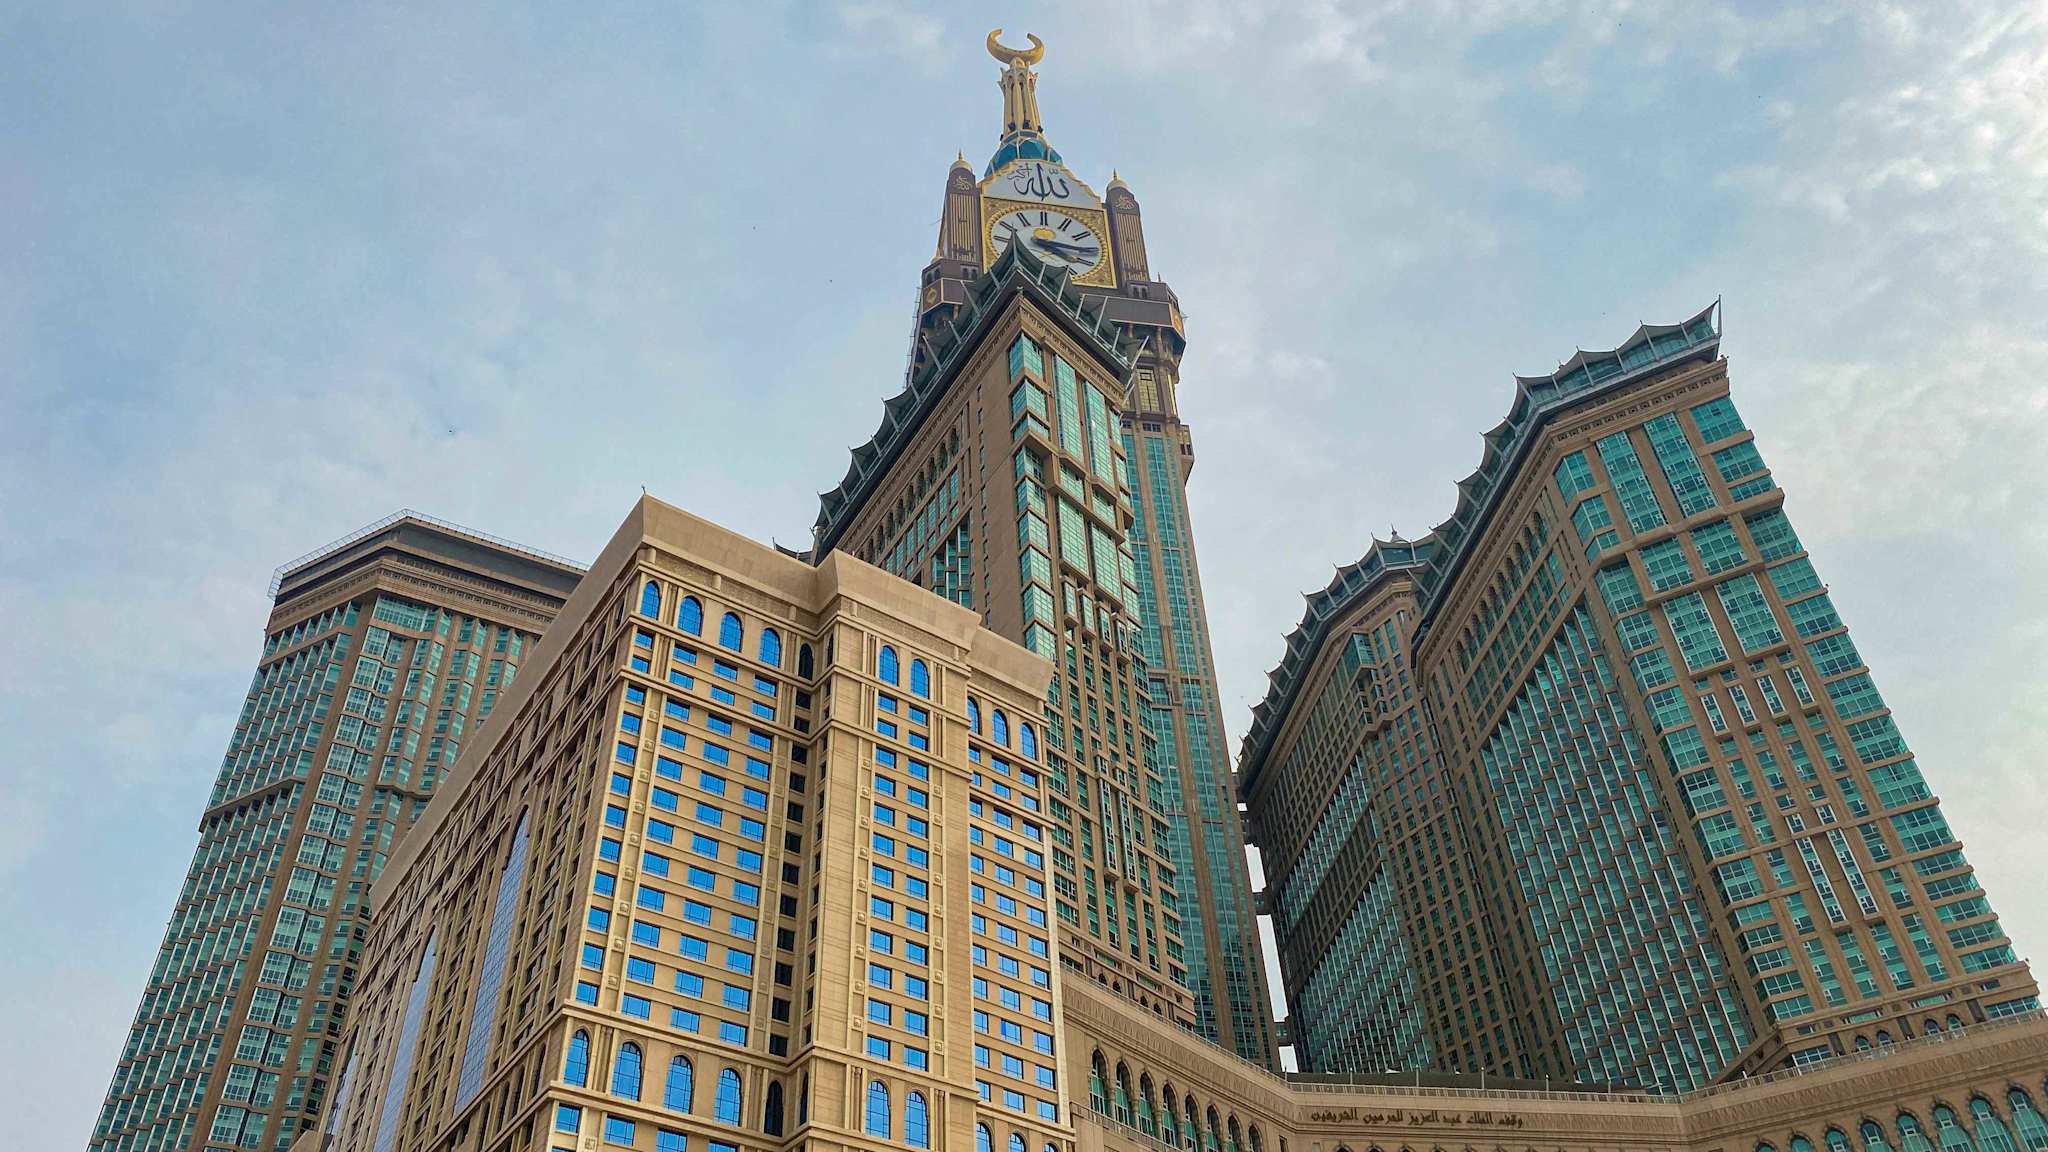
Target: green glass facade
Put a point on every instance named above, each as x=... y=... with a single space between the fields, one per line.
x=1184 y=711
x=361 y=701
x=1696 y=840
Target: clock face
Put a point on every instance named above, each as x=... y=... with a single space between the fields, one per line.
x=1057 y=237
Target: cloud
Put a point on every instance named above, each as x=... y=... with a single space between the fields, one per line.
x=271 y=278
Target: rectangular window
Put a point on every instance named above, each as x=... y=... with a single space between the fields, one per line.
x=1718 y=547
x=1574 y=475
x=1665 y=564
x=1773 y=534
x=1813 y=616
x=1638 y=500
x=1681 y=467
x=1716 y=420
x=1737 y=461
x=1749 y=613
x=1698 y=640
x=1619 y=588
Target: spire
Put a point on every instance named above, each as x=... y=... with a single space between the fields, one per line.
x=1023 y=132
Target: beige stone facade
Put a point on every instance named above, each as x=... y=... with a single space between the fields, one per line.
x=1978 y=1089
x=1007 y=446
x=756 y=857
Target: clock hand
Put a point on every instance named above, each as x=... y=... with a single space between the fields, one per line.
x=1070 y=251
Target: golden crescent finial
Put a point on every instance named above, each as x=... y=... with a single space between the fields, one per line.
x=1028 y=56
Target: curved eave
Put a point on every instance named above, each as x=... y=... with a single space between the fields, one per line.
x=1346 y=590
x=1435 y=559
x=1651 y=349
x=1018 y=271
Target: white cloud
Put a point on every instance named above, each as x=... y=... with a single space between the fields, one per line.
x=507 y=269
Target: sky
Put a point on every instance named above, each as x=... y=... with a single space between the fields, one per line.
x=272 y=272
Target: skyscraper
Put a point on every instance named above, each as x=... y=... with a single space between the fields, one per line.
x=1592 y=781
x=1063 y=409
x=767 y=855
x=757 y=850
x=384 y=653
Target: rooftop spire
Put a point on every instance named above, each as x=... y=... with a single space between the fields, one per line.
x=1020 y=83
x=1023 y=132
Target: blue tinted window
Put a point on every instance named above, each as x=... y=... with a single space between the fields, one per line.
x=576 y=1066
x=879 y=1122
x=676 y=1091
x=626 y=1072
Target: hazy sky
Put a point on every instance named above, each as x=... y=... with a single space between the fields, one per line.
x=271 y=272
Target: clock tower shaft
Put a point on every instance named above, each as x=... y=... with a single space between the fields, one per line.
x=1192 y=794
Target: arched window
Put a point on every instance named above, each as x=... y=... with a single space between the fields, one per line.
x=771 y=1115
x=805 y=663
x=1873 y=1137
x=1121 y=1102
x=917 y=1121
x=1911 y=1139
x=690 y=616
x=650 y=600
x=1991 y=1132
x=1801 y=1144
x=1258 y=1145
x=803 y=1100
x=1884 y=1038
x=728 y=1104
x=974 y=715
x=982 y=1143
x=2032 y=1129
x=879 y=1122
x=999 y=728
x=1016 y=1143
x=1950 y=1132
x=1863 y=1043
x=730 y=632
x=681 y=1085
x=626 y=1072
x=771 y=647
x=1836 y=1141
x=920 y=679
x=885 y=665
x=1027 y=740
x=576 y=1068
x=1954 y=1022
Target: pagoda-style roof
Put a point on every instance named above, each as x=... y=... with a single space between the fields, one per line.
x=1346 y=590
x=1653 y=348
x=1017 y=272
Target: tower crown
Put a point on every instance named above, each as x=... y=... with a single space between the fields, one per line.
x=1023 y=132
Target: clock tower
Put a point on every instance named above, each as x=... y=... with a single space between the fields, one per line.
x=1027 y=195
